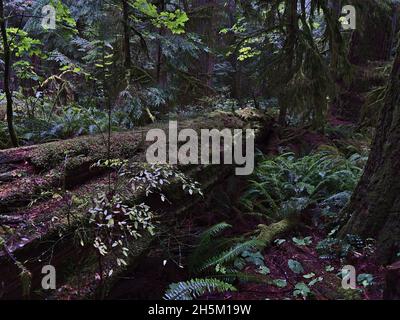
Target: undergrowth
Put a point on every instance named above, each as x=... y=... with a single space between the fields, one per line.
x=279 y=188
x=287 y=185
x=219 y=260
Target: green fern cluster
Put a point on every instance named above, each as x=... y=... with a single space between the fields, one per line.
x=217 y=256
x=195 y=288
x=287 y=185
x=204 y=245
x=228 y=255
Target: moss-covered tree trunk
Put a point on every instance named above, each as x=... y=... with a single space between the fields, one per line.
x=371 y=41
x=374 y=210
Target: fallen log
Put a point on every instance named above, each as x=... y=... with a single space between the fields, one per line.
x=56 y=181
x=268 y=233
x=69 y=163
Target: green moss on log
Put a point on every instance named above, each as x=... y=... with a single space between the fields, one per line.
x=271 y=232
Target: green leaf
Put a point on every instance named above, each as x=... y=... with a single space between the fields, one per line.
x=365 y=279
x=146 y=8
x=329 y=268
x=264 y=270
x=314 y=281
x=301 y=289
x=280 y=283
x=295 y=266
x=279 y=241
x=255 y=258
x=302 y=241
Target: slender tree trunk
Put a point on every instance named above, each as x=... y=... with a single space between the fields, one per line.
x=161 y=76
x=7 y=70
x=374 y=210
x=292 y=26
x=231 y=8
x=127 y=43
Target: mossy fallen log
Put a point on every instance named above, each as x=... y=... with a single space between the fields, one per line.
x=55 y=181
x=89 y=284
x=65 y=164
x=268 y=233
x=59 y=248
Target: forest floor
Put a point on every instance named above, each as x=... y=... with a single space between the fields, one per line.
x=151 y=278
x=167 y=264
x=167 y=260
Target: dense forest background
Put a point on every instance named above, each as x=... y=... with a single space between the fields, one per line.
x=81 y=83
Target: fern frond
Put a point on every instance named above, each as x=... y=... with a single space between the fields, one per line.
x=194 y=288
x=232 y=275
x=203 y=248
x=230 y=254
x=213 y=231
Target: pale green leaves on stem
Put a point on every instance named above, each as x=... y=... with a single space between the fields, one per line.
x=174 y=21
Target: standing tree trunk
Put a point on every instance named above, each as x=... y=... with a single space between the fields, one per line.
x=395 y=22
x=161 y=73
x=374 y=210
x=127 y=44
x=7 y=70
x=289 y=51
x=335 y=37
x=204 y=25
x=371 y=41
x=231 y=39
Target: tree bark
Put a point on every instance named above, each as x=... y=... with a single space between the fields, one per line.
x=127 y=44
x=161 y=73
x=292 y=27
x=7 y=70
x=335 y=7
x=374 y=210
x=371 y=41
x=204 y=26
